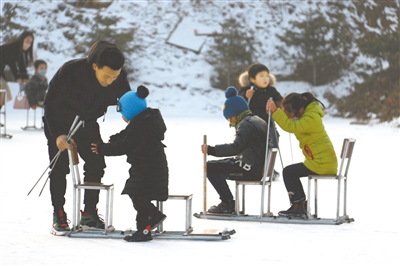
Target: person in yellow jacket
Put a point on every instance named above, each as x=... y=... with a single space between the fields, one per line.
x=302 y=114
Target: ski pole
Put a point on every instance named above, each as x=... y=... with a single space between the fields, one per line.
x=204 y=177
x=291 y=150
x=68 y=140
x=54 y=160
x=276 y=137
x=265 y=166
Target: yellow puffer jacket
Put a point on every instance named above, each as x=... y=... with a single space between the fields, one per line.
x=320 y=156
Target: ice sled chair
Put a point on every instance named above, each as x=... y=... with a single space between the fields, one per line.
x=33 y=126
x=188 y=212
x=78 y=186
x=265 y=181
x=3 y=113
x=341 y=177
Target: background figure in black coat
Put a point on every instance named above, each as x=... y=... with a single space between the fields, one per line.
x=84 y=87
x=37 y=85
x=257 y=88
x=17 y=55
x=148 y=175
x=248 y=147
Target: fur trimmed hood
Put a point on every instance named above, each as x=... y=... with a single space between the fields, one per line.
x=245 y=82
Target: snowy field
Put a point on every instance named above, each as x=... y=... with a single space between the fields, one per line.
x=372 y=198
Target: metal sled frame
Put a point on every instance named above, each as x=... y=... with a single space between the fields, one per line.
x=160 y=233
x=78 y=186
x=268 y=217
x=265 y=181
x=4 y=113
x=345 y=155
x=33 y=127
x=110 y=232
x=205 y=235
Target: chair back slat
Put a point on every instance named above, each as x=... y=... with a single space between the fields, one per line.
x=271 y=162
x=345 y=155
x=74 y=152
x=350 y=148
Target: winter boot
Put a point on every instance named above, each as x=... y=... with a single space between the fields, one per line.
x=296 y=210
x=60 y=225
x=141 y=235
x=157 y=218
x=91 y=220
x=223 y=207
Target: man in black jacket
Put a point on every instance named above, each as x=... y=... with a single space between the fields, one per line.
x=248 y=148
x=84 y=87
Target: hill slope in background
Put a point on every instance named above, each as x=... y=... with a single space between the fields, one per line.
x=61 y=32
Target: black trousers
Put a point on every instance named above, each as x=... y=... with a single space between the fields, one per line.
x=291 y=177
x=218 y=171
x=145 y=210
x=93 y=167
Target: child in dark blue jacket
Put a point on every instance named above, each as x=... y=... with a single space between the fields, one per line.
x=248 y=149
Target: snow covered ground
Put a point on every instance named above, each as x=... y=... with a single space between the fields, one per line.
x=372 y=197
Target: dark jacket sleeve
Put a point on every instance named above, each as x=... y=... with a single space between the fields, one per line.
x=31 y=91
x=126 y=142
x=242 y=139
x=55 y=109
x=277 y=97
x=10 y=54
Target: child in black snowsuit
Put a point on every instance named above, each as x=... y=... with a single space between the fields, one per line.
x=258 y=86
x=141 y=142
x=37 y=86
x=248 y=147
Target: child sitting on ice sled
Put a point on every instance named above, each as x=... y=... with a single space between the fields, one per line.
x=248 y=147
x=141 y=142
x=302 y=114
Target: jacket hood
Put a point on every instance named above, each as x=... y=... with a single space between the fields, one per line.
x=315 y=107
x=245 y=82
x=152 y=121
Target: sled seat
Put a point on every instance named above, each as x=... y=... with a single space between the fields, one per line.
x=78 y=187
x=188 y=211
x=342 y=175
x=265 y=181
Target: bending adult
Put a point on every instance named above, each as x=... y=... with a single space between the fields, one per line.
x=84 y=87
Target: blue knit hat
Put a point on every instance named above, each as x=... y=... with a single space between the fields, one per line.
x=132 y=103
x=234 y=104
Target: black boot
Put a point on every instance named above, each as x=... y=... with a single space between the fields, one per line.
x=157 y=218
x=223 y=207
x=296 y=210
x=140 y=235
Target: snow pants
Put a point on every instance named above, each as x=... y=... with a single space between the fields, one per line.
x=291 y=177
x=145 y=209
x=218 y=171
x=93 y=167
